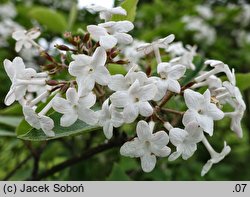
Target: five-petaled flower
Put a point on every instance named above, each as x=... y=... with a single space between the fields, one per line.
x=185 y=140
x=110 y=33
x=135 y=101
x=109 y=117
x=147 y=145
x=201 y=110
x=25 y=38
x=168 y=78
x=74 y=107
x=89 y=70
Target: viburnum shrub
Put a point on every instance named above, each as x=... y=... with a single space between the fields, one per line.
x=89 y=94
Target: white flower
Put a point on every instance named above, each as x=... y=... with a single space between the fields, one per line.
x=185 y=140
x=109 y=117
x=161 y=43
x=215 y=157
x=147 y=145
x=110 y=33
x=169 y=74
x=106 y=13
x=134 y=101
x=204 y=32
x=186 y=58
x=212 y=82
x=7 y=10
x=218 y=67
x=25 y=38
x=21 y=79
x=204 y=11
x=89 y=70
x=201 y=110
x=75 y=107
x=39 y=121
x=119 y=82
x=176 y=49
x=232 y=95
x=131 y=52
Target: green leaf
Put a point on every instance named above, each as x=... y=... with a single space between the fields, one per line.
x=118 y=174
x=242 y=81
x=50 y=18
x=12 y=121
x=72 y=16
x=77 y=128
x=130 y=6
x=7 y=133
x=116 y=69
x=23 y=127
x=13 y=110
x=191 y=74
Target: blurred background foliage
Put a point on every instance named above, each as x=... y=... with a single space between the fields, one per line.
x=230 y=42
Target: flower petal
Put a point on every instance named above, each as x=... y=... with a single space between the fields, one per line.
x=161 y=152
x=174 y=86
x=96 y=31
x=88 y=116
x=61 y=105
x=206 y=123
x=160 y=139
x=143 y=131
x=177 y=136
x=108 y=130
x=99 y=57
x=148 y=162
x=130 y=113
x=87 y=101
x=193 y=99
x=123 y=38
x=188 y=151
x=120 y=99
x=72 y=96
x=145 y=109
x=68 y=119
x=117 y=82
x=108 y=41
x=102 y=75
x=132 y=148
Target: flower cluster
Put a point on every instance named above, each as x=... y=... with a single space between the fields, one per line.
x=91 y=94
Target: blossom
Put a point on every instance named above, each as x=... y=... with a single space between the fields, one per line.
x=147 y=145
x=204 y=11
x=186 y=59
x=109 y=117
x=22 y=78
x=160 y=43
x=90 y=69
x=218 y=67
x=185 y=140
x=232 y=95
x=74 y=107
x=106 y=13
x=131 y=51
x=119 y=82
x=25 y=38
x=168 y=78
x=134 y=101
x=215 y=157
x=201 y=110
x=176 y=49
x=110 y=33
x=203 y=31
x=7 y=10
x=39 y=121
x=212 y=82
